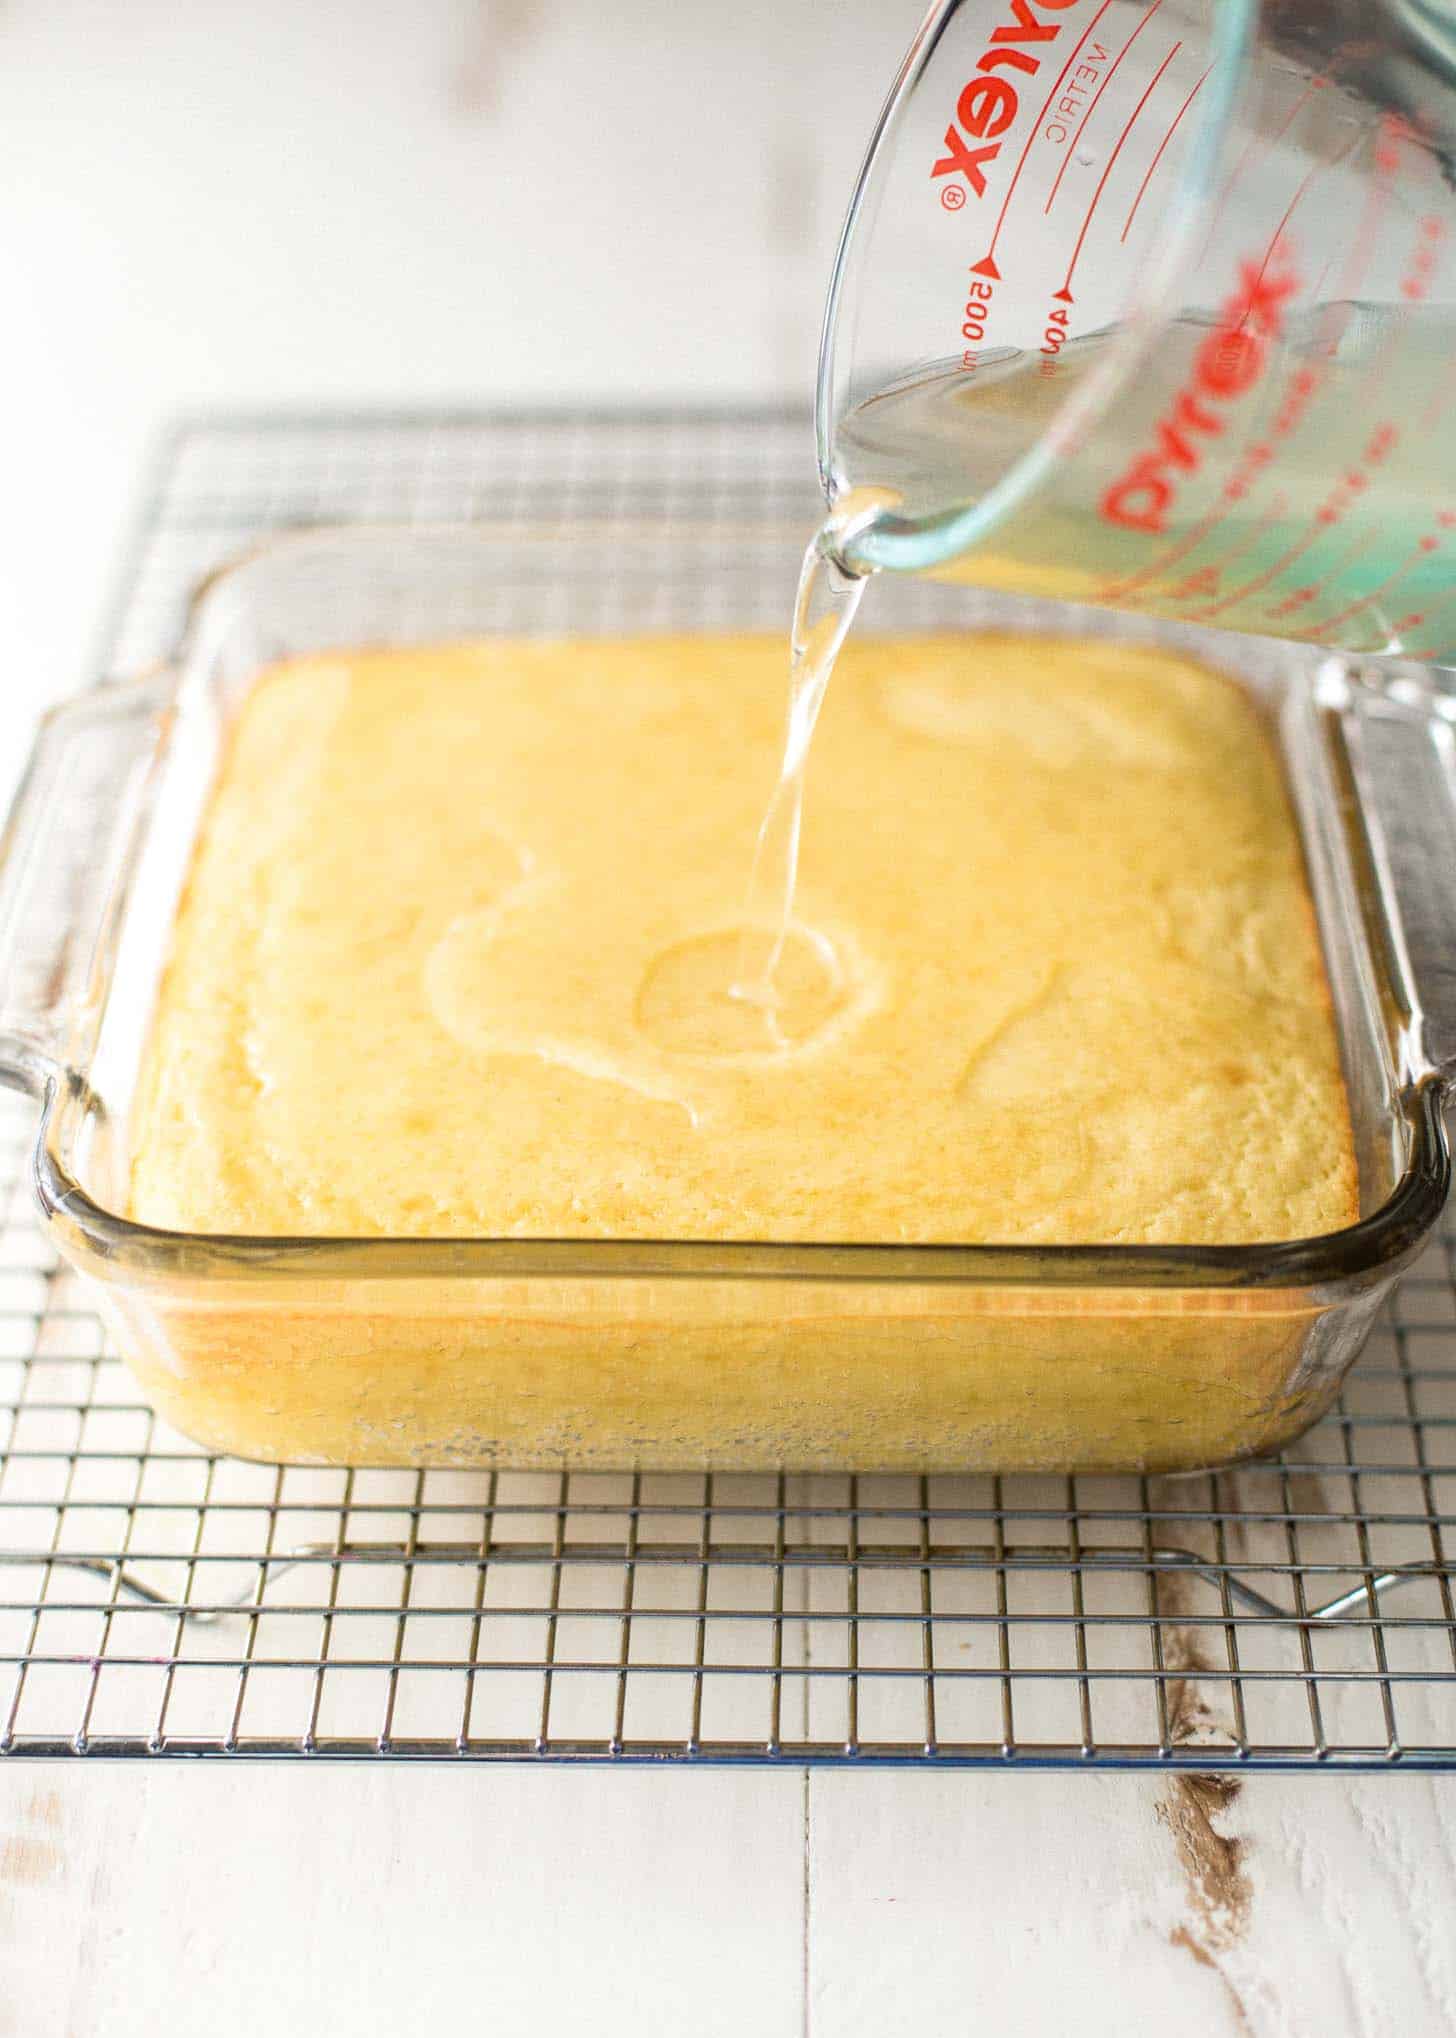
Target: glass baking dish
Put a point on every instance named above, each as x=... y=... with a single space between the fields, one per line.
x=489 y=1351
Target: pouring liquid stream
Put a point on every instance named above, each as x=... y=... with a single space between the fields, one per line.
x=825 y=606
x=1360 y=563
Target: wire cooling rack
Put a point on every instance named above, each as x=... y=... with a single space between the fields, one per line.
x=157 y=1601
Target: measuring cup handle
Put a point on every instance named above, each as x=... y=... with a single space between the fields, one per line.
x=71 y=830
x=1401 y=741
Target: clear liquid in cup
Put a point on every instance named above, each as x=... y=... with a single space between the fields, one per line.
x=1152 y=304
x=1321 y=504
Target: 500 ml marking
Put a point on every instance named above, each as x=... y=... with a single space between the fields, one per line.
x=986 y=109
x=973 y=327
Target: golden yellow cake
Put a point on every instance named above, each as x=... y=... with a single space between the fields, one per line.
x=456 y=954
x=455 y=961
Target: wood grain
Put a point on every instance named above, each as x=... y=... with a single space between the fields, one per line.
x=250 y=1900
x=1027 y=1905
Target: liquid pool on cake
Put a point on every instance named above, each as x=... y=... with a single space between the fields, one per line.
x=455 y=956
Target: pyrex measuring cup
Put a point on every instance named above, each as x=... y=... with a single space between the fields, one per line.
x=1152 y=303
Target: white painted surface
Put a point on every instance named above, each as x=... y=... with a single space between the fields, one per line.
x=275 y=204
x=232 y=1901
x=1036 y=1904
x=200 y=1900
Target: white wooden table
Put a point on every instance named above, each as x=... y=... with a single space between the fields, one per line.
x=268 y=204
x=366 y=1902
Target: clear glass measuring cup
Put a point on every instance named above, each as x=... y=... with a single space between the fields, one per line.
x=1152 y=303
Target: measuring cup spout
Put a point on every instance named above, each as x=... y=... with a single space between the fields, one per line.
x=1152 y=304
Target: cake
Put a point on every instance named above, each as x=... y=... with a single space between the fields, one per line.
x=456 y=952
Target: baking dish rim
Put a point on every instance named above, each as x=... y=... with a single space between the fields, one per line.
x=1373 y=1247
x=90 y=1231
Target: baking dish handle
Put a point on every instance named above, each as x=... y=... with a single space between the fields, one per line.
x=1401 y=740
x=71 y=831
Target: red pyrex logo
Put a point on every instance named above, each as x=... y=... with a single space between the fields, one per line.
x=988 y=104
x=1229 y=362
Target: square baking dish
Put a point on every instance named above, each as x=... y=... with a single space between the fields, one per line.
x=503 y=1351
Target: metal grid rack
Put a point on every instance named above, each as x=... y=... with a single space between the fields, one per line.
x=157 y=1601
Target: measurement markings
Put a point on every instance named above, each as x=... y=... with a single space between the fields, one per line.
x=1421 y=619
x=1065 y=293
x=1425 y=262
x=1208 y=578
x=1096 y=101
x=1162 y=145
x=1277 y=237
x=1387 y=161
x=987 y=264
x=1422 y=265
x=1261 y=453
x=1267 y=578
x=1333 y=510
x=1302 y=597
x=1427 y=545
x=1304 y=383
x=1314 y=171
x=1119 y=590
x=1315 y=84
x=1296 y=400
